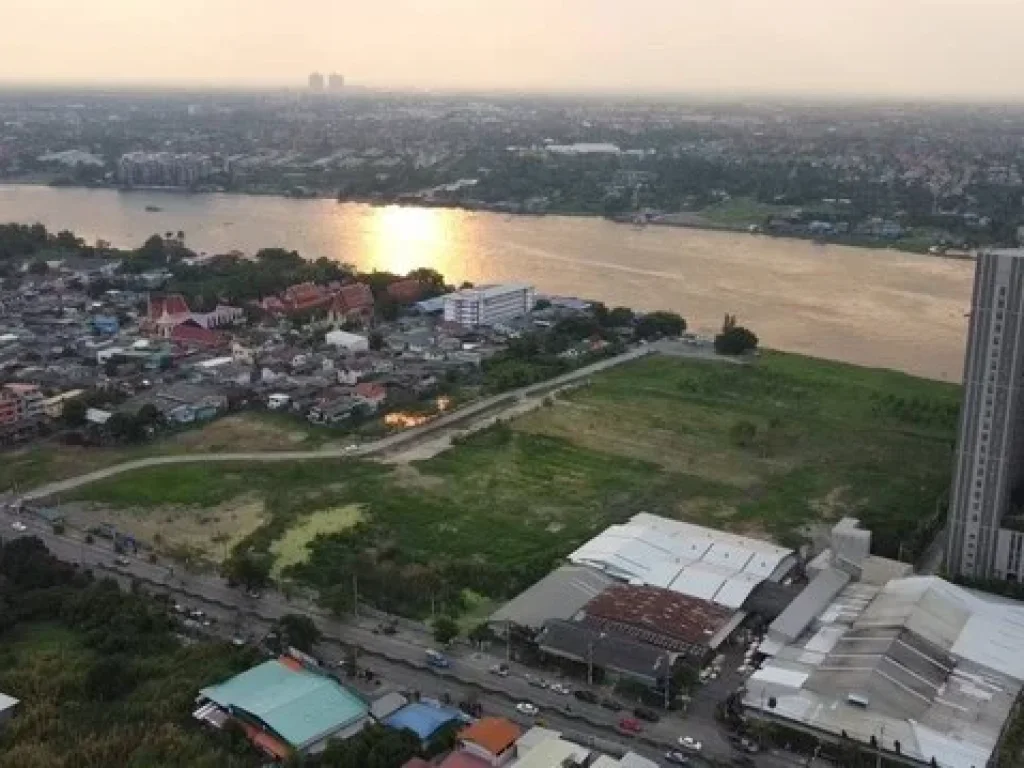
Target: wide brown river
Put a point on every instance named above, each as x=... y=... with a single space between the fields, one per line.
x=873 y=307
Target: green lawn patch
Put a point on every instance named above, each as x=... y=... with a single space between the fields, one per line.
x=292 y=548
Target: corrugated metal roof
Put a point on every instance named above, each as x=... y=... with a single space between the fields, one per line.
x=809 y=604
x=559 y=595
x=687 y=558
x=300 y=706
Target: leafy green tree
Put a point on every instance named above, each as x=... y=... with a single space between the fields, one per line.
x=445 y=629
x=250 y=569
x=74 y=412
x=620 y=317
x=735 y=340
x=298 y=631
x=657 y=324
x=38 y=267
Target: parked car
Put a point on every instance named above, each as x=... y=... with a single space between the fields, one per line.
x=124 y=562
x=630 y=725
x=611 y=704
x=690 y=743
x=587 y=696
x=676 y=758
x=526 y=708
x=501 y=670
x=536 y=682
x=19 y=526
x=561 y=688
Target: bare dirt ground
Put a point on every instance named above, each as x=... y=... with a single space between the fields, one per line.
x=208 y=533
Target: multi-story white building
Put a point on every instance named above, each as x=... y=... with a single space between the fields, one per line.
x=983 y=532
x=489 y=304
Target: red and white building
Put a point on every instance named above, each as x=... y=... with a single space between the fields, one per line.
x=165 y=313
x=352 y=304
x=20 y=403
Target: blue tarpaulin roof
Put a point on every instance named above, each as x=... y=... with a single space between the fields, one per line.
x=422 y=719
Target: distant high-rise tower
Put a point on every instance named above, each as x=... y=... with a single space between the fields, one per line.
x=983 y=536
x=316 y=81
x=335 y=82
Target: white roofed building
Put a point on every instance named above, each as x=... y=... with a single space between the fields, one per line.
x=720 y=567
x=489 y=304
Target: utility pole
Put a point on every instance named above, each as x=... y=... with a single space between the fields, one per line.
x=355 y=595
x=590 y=662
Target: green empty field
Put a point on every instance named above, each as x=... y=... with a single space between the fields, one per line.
x=293 y=548
x=779 y=449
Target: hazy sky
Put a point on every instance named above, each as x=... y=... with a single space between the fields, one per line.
x=856 y=47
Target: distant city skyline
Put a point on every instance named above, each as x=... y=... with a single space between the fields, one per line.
x=884 y=48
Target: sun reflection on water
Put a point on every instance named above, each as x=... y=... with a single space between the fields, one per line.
x=402 y=239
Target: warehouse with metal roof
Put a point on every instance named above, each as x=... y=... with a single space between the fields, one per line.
x=281 y=702
x=921 y=667
x=559 y=595
x=713 y=565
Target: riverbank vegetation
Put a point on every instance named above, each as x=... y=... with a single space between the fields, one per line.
x=780 y=448
x=101 y=679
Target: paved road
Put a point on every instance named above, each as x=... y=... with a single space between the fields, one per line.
x=398 y=658
x=459 y=419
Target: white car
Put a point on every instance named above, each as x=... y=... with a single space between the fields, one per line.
x=690 y=743
x=19 y=526
x=560 y=688
x=526 y=708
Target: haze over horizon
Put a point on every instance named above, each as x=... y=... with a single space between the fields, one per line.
x=904 y=48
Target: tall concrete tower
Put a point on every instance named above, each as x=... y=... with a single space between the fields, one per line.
x=983 y=539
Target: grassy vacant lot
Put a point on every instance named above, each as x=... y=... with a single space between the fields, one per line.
x=258 y=431
x=770 y=449
x=792 y=441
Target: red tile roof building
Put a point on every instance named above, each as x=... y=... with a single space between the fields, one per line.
x=353 y=303
x=405 y=291
x=491 y=738
x=192 y=336
x=165 y=313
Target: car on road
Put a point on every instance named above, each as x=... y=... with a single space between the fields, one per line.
x=536 y=682
x=179 y=608
x=586 y=696
x=437 y=660
x=630 y=726
x=690 y=743
x=526 y=708
x=237 y=641
x=19 y=526
x=646 y=713
x=611 y=704
x=676 y=758
x=124 y=562
x=561 y=688
x=501 y=670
